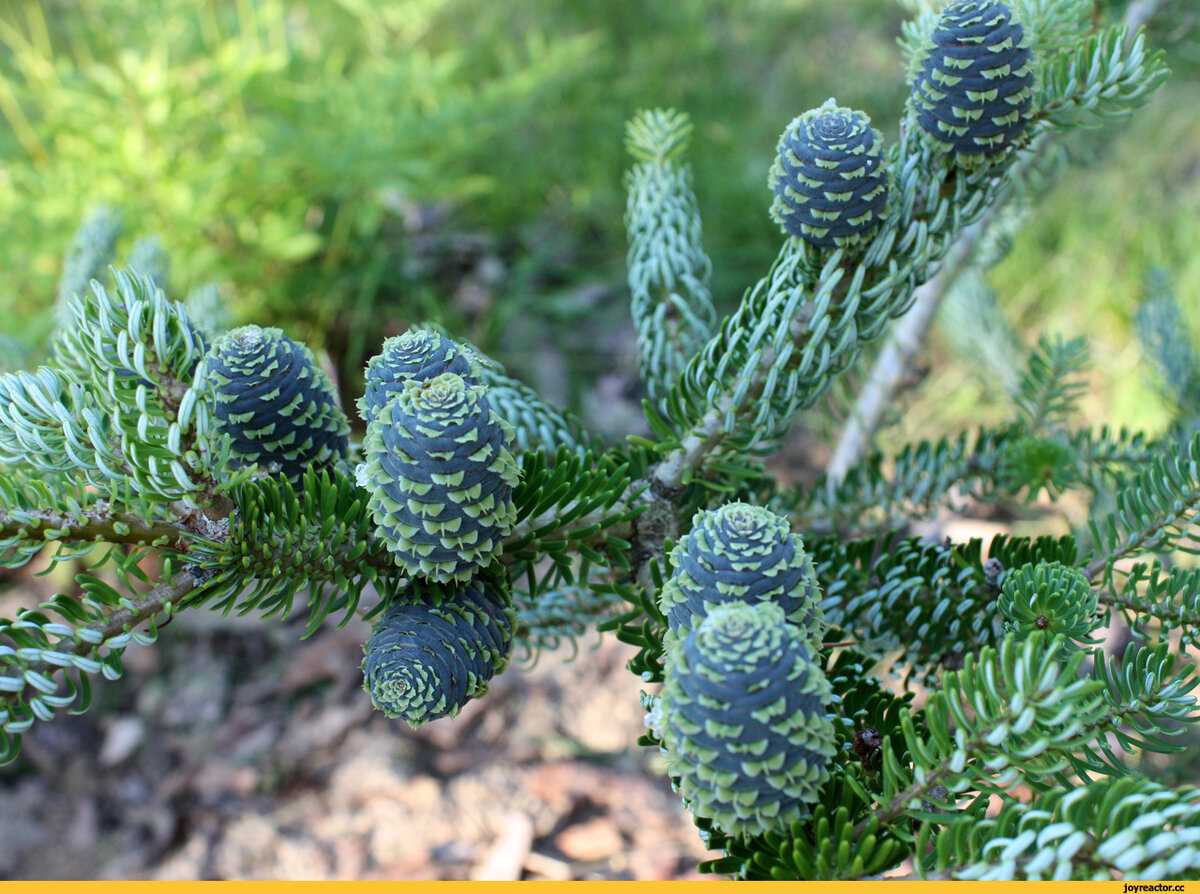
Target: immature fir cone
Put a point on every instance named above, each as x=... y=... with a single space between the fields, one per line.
x=276 y=404
x=427 y=658
x=744 y=553
x=441 y=475
x=417 y=354
x=829 y=180
x=743 y=720
x=973 y=91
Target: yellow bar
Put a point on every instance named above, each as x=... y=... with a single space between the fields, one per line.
x=407 y=887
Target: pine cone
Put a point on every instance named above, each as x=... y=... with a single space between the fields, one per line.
x=441 y=476
x=742 y=553
x=417 y=354
x=744 y=722
x=277 y=405
x=829 y=180
x=428 y=657
x=974 y=88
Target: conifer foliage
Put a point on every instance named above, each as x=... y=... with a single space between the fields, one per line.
x=473 y=520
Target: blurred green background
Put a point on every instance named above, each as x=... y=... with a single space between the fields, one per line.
x=344 y=168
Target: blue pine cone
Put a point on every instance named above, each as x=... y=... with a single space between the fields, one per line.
x=829 y=180
x=441 y=475
x=743 y=553
x=429 y=657
x=417 y=354
x=278 y=407
x=743 y=719
x=973 y=92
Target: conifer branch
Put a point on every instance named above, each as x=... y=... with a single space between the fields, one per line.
x=107 y=621
x=478 y=519
x=909 y=332
x=1160 y=505
x=96 y=524
x=1134 y=604
x=896 y=357
x=121 y=619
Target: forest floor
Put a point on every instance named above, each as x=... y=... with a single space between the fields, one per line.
x=232 y=750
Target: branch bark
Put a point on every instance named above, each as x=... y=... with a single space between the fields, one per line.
x=898 y=352
x=93 y=525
